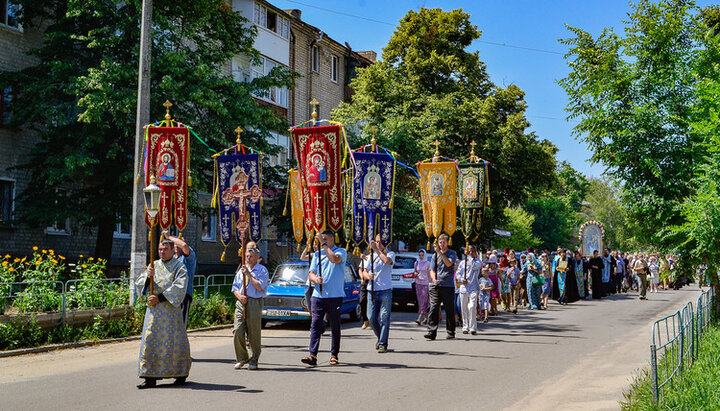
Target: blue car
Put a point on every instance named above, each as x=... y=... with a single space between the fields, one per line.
x=285 y=298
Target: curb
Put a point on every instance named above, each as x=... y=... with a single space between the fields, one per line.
x=88 y=343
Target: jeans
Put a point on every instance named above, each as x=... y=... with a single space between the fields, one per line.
x=320 y=307
x=248 y=321
x=446 y=296
x=379 y=306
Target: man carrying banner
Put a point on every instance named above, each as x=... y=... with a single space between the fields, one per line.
x=164 y=348
x=328 y=274
x=442 y=288
x=379 y=274
x=186 y=255
x=249 y=287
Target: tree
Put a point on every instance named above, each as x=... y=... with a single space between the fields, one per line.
x=632 y=96
x=604 y=205
x=428 y=87
x=81 y=100
x=572 y=186
x=519 y=223
x=553 y=224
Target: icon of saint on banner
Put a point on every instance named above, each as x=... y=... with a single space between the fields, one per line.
x=371 y=186
x=436 y=185
x=166 y=171
x=317 y=173
x=470 y=188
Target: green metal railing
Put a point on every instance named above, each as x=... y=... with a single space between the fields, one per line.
x=676 y=337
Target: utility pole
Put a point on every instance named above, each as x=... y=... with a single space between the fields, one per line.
x=138 y=243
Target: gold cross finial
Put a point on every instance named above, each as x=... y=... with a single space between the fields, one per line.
x=437 y=148
x=314 y=103
x=472 y=150
x=167 y=105
x=373 y=130
x=238 y=130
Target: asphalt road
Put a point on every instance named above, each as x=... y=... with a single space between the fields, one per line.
x=579 y=356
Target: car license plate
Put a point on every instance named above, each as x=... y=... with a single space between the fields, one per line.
x=396 y=277
x=278 y=313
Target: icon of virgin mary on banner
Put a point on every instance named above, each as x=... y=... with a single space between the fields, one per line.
x=319 y=153
x=473 y=197
x=168 y=152
x=437 y=192
x=373 y=188
x=238 y=194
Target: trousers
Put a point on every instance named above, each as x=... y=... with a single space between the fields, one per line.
x=379 y=306
x=446 y=296
x=320 y=307
x=248 y=322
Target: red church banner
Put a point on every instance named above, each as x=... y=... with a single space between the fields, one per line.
x=168 y=151
x=318 y=151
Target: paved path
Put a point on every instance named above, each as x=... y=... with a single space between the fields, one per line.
x=576 y=357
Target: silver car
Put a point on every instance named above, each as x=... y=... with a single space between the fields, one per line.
x=403 y=278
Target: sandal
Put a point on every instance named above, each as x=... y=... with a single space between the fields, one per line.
x=310 y=360
x=334 y=361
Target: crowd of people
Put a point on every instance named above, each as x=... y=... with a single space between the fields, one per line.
x=469 y=288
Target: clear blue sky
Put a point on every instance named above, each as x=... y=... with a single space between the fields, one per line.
x=533 y=24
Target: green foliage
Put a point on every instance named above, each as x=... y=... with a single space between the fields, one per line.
x=212 y=311
x=81 y=100
x=605 y=205
x=573 y=186
x=519 y=223
x=632 y=97
x=427 y=88
x=553 y=224
x=694 y=389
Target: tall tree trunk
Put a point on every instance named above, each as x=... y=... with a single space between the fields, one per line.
x=104 y=242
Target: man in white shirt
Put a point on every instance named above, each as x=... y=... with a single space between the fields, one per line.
x=467 y=275
x=378 y=271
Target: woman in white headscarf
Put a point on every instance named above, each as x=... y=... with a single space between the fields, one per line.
x=422 y=277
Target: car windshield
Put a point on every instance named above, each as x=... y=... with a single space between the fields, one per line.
x=291 y=274
x=404 y=262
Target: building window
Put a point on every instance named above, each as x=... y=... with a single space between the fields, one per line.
x=6 y=99
x=271 y=21
x=59 y=227
x=209 y=225
x=334 y=69
x=315 y=59
x=9 y=13
x=7 y=198
x=122 y=229
x=275 y=95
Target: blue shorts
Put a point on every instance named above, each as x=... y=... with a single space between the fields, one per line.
x=547 y=287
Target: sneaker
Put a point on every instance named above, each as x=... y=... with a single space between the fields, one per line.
x=465 y=331
x=365 y=325
x=429 y=336
x=382 y=349
x=450 y=337
x=485 y=320
x=239 y=365
x=473 y=332
x=377 y=345
x=180 y=381
x=253 y=367
x=148 y=383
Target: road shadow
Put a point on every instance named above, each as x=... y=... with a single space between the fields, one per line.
x=214 y=360
x=391 y=366
x=452 y=354
x=206 y=386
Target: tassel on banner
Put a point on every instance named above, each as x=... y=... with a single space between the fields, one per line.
x=356 y=251
x=299 y=246
x=428 y=246
x=222 y=257
x=450 y=241
x=337 y=238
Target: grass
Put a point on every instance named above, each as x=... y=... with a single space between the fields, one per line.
x=697 y=388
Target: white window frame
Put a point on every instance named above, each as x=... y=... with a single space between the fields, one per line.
x=119 y=233
x=278 y=96
x=212 y=237
x=4 y=23
x=334 y=61
x=55 y=228
x=13 y=183
x=315 y=59
x=282 y=25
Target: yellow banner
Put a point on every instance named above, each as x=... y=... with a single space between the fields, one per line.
x=296 y=203
x=438 y=186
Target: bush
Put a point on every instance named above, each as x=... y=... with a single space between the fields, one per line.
x=209 y=312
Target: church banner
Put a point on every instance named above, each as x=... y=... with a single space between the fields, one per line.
x=437 y=191
x=168 y=153
x=373 y=187
x=296 y=205
x=318 y=151
x=239 y=189
x=472 y=197
x=591 y=236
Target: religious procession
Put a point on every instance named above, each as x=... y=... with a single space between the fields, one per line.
x=337 y=193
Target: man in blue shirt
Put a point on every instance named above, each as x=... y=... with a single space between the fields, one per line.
x=442 y=288
x=249 y=287
x=379 y=274
x=186 y=255
x=328 y=274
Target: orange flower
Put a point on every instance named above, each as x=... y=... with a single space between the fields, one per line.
x=7 y=255
x=44 y=251
x=81 y=256
x=90 y=259
x=11 y=269
x=54 y=261
x=84 y=266
x=35 y=248
x=4 y=263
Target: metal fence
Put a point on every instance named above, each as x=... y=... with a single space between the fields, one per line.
x=58 y=297
x=676 y=340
